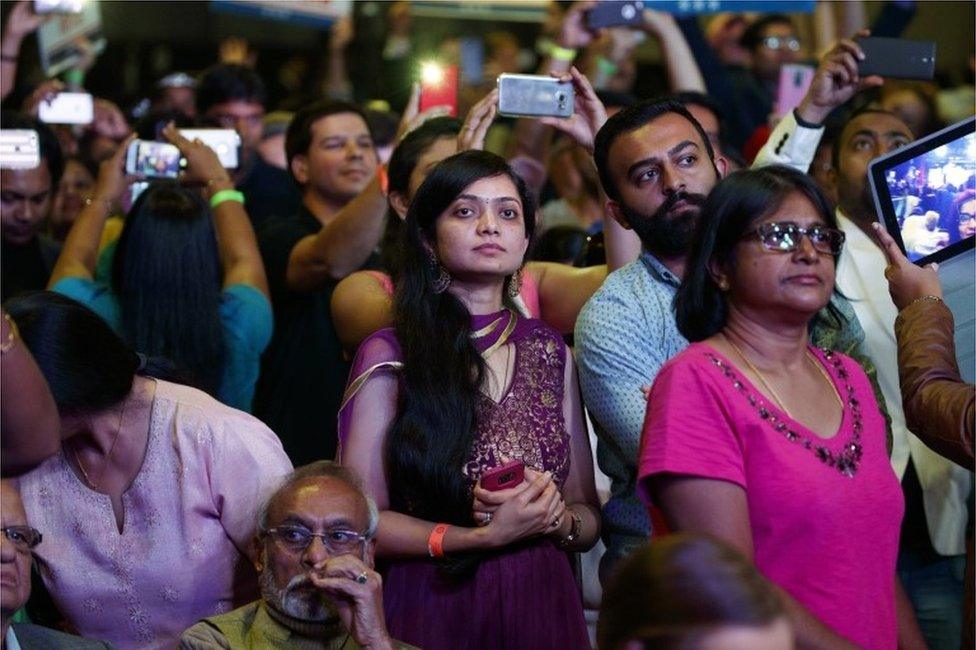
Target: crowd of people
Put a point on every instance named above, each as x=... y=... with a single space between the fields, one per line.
x=345 y=393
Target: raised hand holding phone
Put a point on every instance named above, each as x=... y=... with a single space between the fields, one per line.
x=589 y=114
x=478 y=121
x=202 y=163
x=112 y=178
x=836 y=80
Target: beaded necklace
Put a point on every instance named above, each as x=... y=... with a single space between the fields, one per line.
x=846 y=462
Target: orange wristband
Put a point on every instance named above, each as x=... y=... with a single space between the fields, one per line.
x=435 y=543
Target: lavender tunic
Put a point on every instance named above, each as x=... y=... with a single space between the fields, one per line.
x=183 y=553
x=525 y=597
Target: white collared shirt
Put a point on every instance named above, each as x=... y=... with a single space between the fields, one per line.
x=10 y=640
x=945 y=485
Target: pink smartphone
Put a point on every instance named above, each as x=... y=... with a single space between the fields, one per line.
x=503 y=477
x=794 y=81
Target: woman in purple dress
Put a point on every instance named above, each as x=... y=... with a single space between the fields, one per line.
x=459 y=386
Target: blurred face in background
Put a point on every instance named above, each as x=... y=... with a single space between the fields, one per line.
x=779 y=45
x=76 y=183
x=180 y=99
x=25 y=198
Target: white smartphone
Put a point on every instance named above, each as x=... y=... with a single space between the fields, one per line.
x=153 y=159
x=523 y=95
x=67 y=108
x=58 y=6
x=226 y=142
x=19 y=149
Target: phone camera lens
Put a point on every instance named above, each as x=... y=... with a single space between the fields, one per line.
x=561 y=97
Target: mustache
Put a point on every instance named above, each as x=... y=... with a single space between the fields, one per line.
x=697 y=200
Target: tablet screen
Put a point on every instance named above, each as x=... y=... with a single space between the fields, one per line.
x=933 y=197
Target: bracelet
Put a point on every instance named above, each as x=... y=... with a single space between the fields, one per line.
x=88 y=200
x=574 y=530
x=435 y=543
x=562 y=53
x=226 y=195
x=11 y=335
x=926 y=298
x=606 y=66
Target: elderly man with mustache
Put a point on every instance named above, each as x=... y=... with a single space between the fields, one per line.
x=315 y=545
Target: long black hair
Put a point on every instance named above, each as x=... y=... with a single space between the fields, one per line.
x=740 y=200
x=402 y=163
x=88 y=367
x=432 y=435
x=167 y=276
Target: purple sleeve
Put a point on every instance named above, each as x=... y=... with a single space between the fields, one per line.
x=379 y=352
x=689 y=427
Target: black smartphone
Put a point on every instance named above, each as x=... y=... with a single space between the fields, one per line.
x=897 y=58
x=614 y=13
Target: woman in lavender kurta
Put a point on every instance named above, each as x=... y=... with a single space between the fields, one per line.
x=459 y=386
x=148 y=511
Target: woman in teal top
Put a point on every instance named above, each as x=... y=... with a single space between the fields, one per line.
x=187 y=282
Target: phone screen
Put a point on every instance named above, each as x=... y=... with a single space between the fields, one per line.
x=67 y=108
x=19 y=149
x=154 y=159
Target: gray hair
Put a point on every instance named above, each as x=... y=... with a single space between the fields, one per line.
x=329 y=469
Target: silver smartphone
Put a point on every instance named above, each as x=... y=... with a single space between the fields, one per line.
x=524 y=95
x=225 y=142
x=19 y=149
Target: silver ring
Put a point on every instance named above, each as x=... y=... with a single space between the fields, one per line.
x=488 y=516
x=362 y=578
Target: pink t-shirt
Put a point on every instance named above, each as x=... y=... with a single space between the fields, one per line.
x=829 y=539
x=185 y=551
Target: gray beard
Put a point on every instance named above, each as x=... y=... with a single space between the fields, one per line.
x=295 y=601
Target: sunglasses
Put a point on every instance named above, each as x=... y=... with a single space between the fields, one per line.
x=781 y=43
x=784 y=237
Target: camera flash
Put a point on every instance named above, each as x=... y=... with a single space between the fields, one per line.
x=431 y=74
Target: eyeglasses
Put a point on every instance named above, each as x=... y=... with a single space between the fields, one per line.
x=781 y=43
x=23 y=537
x=339 y=541
x=784 y=237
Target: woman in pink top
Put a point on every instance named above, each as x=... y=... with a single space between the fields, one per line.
x=148 y=511
x=758 y=438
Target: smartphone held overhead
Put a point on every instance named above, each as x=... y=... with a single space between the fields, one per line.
x=615 y=13
x=67 y=108
x=153 y=159
x=226 y=143
x=58 y=6
x=19 y=149
x=438 y=87
x=896 y=58
x=523 y=95
x=794 y=81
